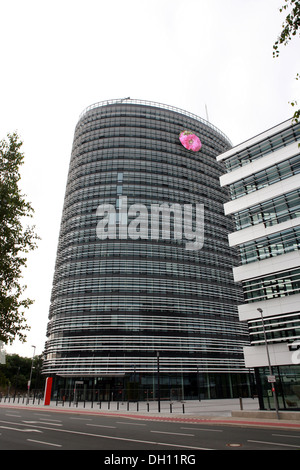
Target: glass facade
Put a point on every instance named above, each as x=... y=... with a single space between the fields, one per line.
x=269 y=246
x=123 y=298
x=271 y=212
x=275 y=141
x=265 y=177
x=266 y=235
x=279 y=284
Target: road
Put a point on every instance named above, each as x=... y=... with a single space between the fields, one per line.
x=29 y=429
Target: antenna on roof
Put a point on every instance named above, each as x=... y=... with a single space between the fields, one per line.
x=207 y=118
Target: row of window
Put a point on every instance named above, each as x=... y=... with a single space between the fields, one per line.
x=144 y=157
x=277 y=328
x=154 y=153
x=265 y=177
x=271 y=212
x=142 y=323
x=130 y=142
x=179 y=193
x=141 y=166
x=207 y=257
x=215 y=236
x=139 y=118
x=190 y=344
x=119 y=365
x=270 y=246
x=122 y=266
x=272 y=286
x=266 y=146
x=92 y=184
x=128 y=284
x=136 y=114
x=215 y=226
x=118 y=133
x=165 y=305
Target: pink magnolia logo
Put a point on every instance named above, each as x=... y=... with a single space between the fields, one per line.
x=190 y=141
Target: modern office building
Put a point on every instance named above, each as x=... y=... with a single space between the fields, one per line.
x=143 y=292
x=263 y=176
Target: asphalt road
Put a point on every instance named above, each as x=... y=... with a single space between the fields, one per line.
x=26 y=429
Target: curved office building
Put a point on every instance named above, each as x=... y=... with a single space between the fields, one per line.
x=143 y=291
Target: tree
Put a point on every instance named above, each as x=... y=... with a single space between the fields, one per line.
x=14 y=374
x=15 y=242
x=290 y=29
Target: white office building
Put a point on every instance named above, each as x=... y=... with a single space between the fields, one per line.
x=263 y=177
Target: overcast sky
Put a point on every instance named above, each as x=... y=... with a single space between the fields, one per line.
x=59 y=57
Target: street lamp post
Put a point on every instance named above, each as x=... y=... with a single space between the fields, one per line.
x=158 y=382
x=29 y=382
x=269 y=361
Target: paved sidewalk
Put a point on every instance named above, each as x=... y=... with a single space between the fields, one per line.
x=209 y=411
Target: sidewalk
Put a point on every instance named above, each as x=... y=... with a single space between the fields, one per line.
x=193 y=411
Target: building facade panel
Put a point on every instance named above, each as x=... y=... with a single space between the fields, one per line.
x=127 y=295
x=264 y=182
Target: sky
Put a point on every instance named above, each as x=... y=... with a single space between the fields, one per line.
x=213 y=59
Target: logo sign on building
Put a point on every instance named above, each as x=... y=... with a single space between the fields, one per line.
x=190 y=141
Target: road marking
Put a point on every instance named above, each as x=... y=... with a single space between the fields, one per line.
x=57 y=420
x=286 y=435
x=203 y=429
x=42 y=422
x=21 y=430
x=52 y=424
x=47 y=443
x=173 y=433
x=132 y=424
x=274 y=443
x=115 y=438
x=101 y=426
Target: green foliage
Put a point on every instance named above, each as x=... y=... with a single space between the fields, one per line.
x=15 y=241
x=290 y=29
x=290 y=26
x=15 y=373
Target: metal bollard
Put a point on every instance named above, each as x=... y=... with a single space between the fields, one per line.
x=241 y=403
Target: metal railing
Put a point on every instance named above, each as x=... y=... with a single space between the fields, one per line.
x=156 y=105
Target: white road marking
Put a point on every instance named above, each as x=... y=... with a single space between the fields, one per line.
x=115 y=438
x=203 y=429
x=47 y=443
x=173 y=433
x=42 y=422
x=132 y=424
x=21 y=430
x=274 y=443
x=101 y=426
